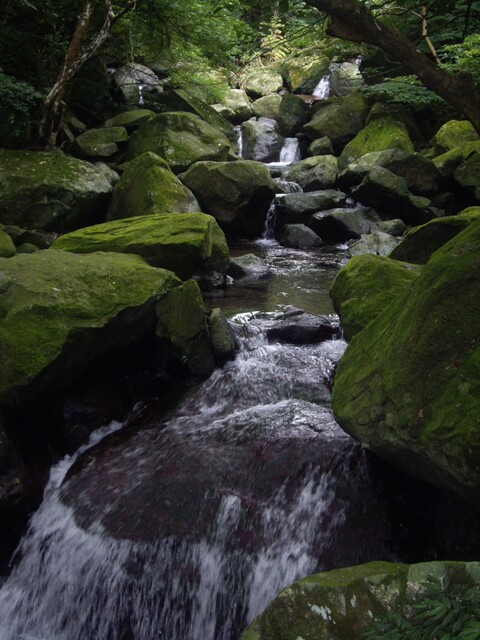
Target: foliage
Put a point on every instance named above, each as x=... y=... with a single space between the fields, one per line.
x=405 y=90
x=464 y=56
x=442 y=614
x=273 y=43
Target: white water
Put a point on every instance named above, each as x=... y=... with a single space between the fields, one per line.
x=290 y=151
x=239 y=132
x=141 y=99
x=78 y=583
x=322 y=90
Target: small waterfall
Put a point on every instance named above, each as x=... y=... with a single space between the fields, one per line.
x=141 y=98
x=264 y=486
x=322 y=90
x=239 y=132
x=269 y=229
x=287 y=186
x=290 y=151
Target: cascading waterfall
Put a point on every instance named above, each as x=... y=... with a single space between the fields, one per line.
x=290 y=151
x=187 y=529
x=322 y=89
x=141 y=98
x=239 y=132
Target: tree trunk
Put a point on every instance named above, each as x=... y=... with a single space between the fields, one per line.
x=351 y=20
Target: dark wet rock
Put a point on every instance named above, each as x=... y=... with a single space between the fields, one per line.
x=304 y=328
x=248 y=265
x=377 y=243
x=261 y=141
x=321 y=147
x=222 y=338
x=299 y=236
x=298 y=207
x=130 y=77
x=293 y=114
x=395 y=227
x=100 y=143
x=339 y=225
x=467 y=175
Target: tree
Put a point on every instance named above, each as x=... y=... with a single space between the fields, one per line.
x=354 y=21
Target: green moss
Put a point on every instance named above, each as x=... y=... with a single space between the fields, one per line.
x=317 y=172
x=181 y=139
x=180 y=242
x=148 y=185
x=7 y=248
x=100 y=142
x=380 y=134
x=60 y=311
x=130 y=119
x=420 y=242
x=454 y=133
x=415 y=398
x=181 y=318
x=365 y=286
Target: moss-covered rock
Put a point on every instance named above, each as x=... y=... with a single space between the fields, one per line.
x=100 y=143
x=130 y=119
x=467 y=175
x=52 y=190
x=380 y=134
x=180 y=138
x=181 y=100
x=415 y=399
x=447 y=162
x=317 y=172
x=294 y=208
x=181 y=319
x=238 y=101
x=148 y=185
x=294 y=112
x=340 y=225
x=262 y=82
x=341 y=604
x=454 y=133
x=365 y=286
x=420 y=242
x=304 y=72
x=320 y=147
x=180 y=242
x=376 y=243
x=237 y=194
x=340 y=119
x=60 y=311
x=267 y=107
x=7 y=248
x=222 y=338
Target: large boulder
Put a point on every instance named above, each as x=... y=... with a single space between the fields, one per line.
x=133 y=80
x=340 y=225
x=261 y=141
x=262 y=82
x=377 y=243
x=148 y=185
x=238 y=101
x=317 y=172
x=294 y=208
x=454 y=133
x=267 y=107
x=61 y=311
x=237 y=194
x=386 y=599
x=380 y=134
x=52 y=190
x=299 y=236
x=100 y=143
x=414 y=400
x=340 y=119
x=293 y=114
x=420 y=242
x=365 y=286
x=7 y=248
x=181 y=100
x=304 y=72
x=180 y=138
x=180 y=242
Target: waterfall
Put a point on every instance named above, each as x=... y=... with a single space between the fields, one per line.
x=141 y=99
x=239 y=132
x=269 y=229
x=187 y=529
x=290 y=151
x=322 y=89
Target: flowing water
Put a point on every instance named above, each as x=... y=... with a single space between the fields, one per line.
x=290 y=152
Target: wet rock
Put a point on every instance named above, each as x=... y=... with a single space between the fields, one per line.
x=248 y=265
x=414 y=400
x=299 y=236
x=222 y=338
x=318 y=172
x=298 y=207
x=65 y=310
x=181 y=242
x=365 y=286
x=52 y=190
x=148 y=185
x=304 y=328
x=130 y=77
x=237 y=194
x=377 y=243
x=181 y=139
x=294 y=113
x=339 y=225
x=261 y=141
x=304 y=72
x=421 y=242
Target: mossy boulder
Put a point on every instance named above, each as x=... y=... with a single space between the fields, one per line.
x=131 y=120
x=454 y=133
x=365 y=286
x=341 y=604
x=294 y=208
x=60 y=311
x=181 y=139
x=237 y=194
x=415 y=399
x=181 y=100
x=182 y=320
x=340 y=225
x=267 y=107
x=320 y=147
x=262 y=82
x=420 y=242
x=467 y=175
x=148 y=185
x=52 y=190
x=238 y=101
x=180 y=242
x=304 y=72
x=380 y=134
x=100 y=143
x=317 y=172
x=7 y=248
x=294 y=112
x=447 y=162
x=340 y=119
x=222 y=336
x=376 y=243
